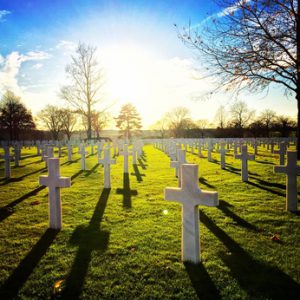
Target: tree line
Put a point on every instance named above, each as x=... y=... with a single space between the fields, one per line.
x=236 y=121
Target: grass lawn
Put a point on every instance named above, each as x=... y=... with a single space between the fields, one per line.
x=124 y=242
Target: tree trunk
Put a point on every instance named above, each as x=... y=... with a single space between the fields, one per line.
x=298 y=79
x=298 y=119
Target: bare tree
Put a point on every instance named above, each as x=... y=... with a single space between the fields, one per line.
x=241 y=115
x=52 y=118
x=220 y=117
x=267 y=117
x=87 y=81
x=251 y=45
x=99 y=121
x=69 y=121
x=179 y=120
x=202 y=124
x=162 y=125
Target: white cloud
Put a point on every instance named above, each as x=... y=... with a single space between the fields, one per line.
x=4 y=13
x=10 y=68
x=66 y=46
x=37 y=66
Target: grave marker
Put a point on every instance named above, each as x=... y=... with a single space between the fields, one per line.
x=106 y=162
x=244 y=157
x=292 y=171
x=190 y=196
x=54 y=182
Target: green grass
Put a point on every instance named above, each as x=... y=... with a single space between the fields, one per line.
x=118 y=243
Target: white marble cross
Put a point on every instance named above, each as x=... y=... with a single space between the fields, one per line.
x=222 y=153
x=54 y=182
x=210 y=148
x=59 y=145
x=199 y=149
x=17 y=154
x=106 y=162
x=50 y=154
x=134 y=154
x=292 y=171
x=281 y=151
x=92 y=147
x=244 y=157
x=100 y=146
x=82 y=152
x=190 y=196
x=7 y=157
x=125 y=153
x=177 y=164
x=70 y=152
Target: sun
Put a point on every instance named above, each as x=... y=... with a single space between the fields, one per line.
x=126 y=72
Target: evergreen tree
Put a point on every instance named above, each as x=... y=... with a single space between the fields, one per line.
x=128 y=120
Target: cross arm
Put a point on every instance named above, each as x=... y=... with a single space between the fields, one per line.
x=209 y=198
x=43 y=180
x=63 y=182
x=174 y=194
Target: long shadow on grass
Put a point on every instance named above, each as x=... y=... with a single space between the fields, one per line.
x=76 y=174
x=34 y=162
x=224 y=207
x=71 y=162
x=126 y=191
x=17 y=179
x=231 y=169
x=202 y=282
x=89 y=172
x=141 y=163
x=16 y=280
x=265 y=162
x=143 y=156
x=265 y=188
x=137 y=173
x=260 y=280
x=7 y=210
x=88 y=239
x=204 y=181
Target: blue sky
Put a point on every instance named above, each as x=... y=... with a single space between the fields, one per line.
x=154 y=70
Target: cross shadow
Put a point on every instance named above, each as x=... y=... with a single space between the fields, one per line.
x=231 y=169
x=16 y=280
x=88 y=239
x=126 y=191
x=89 y=172
x=17 y=179
x=28 y=156
x=224 y=207
x=201 y=281
x=76 y=174
x=137 y=173
x=265 y=188
x=141 y=163
x=7 y=210
x=34 y=162
x=71 y=162
x=143 y=156
x=265 y=162
x=257 y=278
x=204 y=181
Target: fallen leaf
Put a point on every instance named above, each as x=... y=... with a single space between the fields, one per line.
x=275 y=238
x=35 y=203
